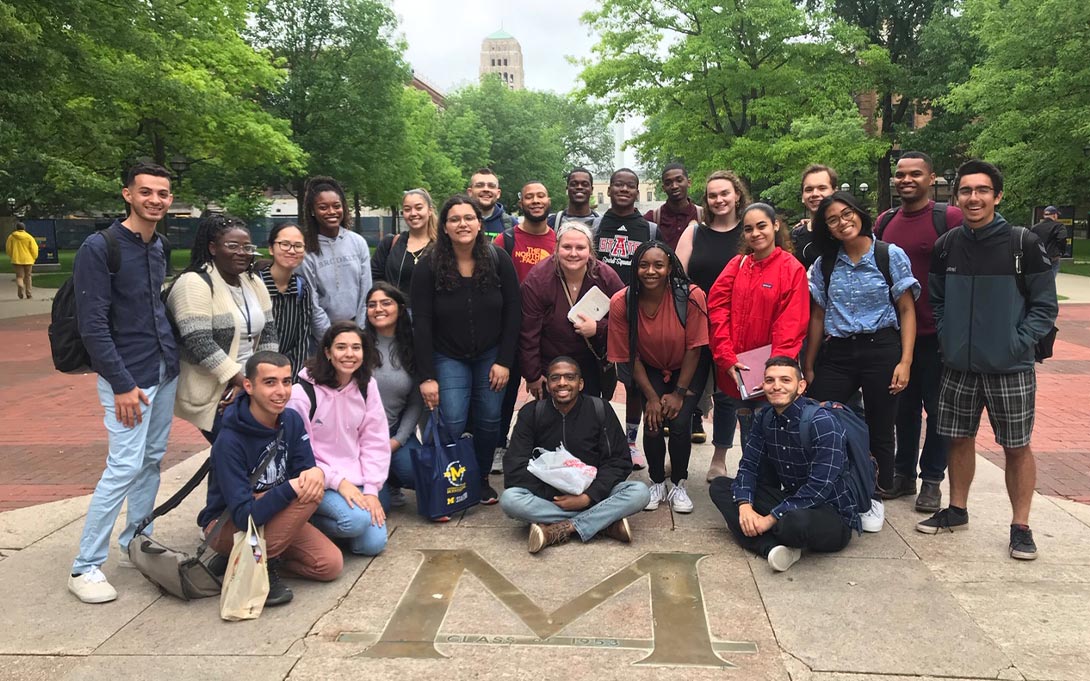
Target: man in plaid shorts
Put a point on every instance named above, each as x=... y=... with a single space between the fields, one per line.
x=989 y=319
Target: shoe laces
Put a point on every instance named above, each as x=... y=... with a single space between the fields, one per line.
x=942 y=520
x=1020 y=536
x=94 y=576
x=679 y=493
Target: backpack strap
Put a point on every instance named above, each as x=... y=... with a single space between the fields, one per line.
x=938 y=218
x=1018 y=235
x=881 y=259
x=308 y=388
x=600 y=413
x=113 y=252
x=596 y=225
x=300 y=286
x=885 y=218
x=509 y=241
x=507 y=220
x=653 y=228
x=657 y=214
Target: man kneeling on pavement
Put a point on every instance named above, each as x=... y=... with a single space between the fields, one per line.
x=791 y=492
x=593 y=434
x=285 y=495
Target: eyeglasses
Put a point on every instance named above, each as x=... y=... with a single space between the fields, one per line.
x=485 y=185
x=834 y=220
x=966 y=192
x=385 y=302
x=457 y=220
x=553 y=378
x=236 y=247
x=291 y=246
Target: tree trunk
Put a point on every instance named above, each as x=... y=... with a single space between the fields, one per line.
x=885 y=199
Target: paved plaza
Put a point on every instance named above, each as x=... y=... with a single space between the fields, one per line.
x=466 y=601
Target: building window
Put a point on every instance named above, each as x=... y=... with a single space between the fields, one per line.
x=650 y=194
x=601 y=199
x=505 y=62
x=493 y=62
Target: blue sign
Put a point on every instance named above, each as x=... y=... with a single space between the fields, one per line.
x=45 y=231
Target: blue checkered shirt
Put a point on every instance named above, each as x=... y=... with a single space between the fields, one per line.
x=858 y=295
x=809 y=478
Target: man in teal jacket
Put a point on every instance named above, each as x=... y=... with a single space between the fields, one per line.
x=991 y=308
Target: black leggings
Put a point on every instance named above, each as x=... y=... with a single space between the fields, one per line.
x=864 y=361
x=681 y=426
x=815 y=529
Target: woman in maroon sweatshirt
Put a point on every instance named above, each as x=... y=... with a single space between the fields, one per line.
x=548 y=293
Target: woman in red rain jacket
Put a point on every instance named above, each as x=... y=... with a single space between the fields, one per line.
x=761 y=298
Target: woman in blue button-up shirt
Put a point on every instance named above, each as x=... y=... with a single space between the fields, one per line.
x=862 y=325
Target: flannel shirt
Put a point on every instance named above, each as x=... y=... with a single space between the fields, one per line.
x=809 y=479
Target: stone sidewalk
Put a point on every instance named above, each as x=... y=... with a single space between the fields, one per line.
x=465 y=601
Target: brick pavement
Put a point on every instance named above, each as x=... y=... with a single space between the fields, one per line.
x=54 y=444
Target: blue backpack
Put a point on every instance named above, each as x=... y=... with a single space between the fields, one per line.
x=862 y=471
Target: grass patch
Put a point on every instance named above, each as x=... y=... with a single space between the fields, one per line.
x=179 y=259
x=1081 y=264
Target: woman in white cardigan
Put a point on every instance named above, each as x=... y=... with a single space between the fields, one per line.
x=223 y=314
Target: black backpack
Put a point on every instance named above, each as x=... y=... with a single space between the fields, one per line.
x=308 y=388
x=509 y=241
x=938 y=220
x=65 y=343
x=881 y=259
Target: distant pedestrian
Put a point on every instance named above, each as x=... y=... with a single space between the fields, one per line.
x=125 y=329
x=22 y=248
x=1053 y=235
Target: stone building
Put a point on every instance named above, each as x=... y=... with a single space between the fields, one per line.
x=501 y=54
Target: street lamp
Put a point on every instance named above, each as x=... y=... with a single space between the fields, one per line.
x=11 y=205
x=845 y=187
x=180 y=165
x=864 y=188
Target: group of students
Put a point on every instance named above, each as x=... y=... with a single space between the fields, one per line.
x=312 y=353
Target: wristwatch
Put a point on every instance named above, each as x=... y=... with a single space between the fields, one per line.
x=683 y=391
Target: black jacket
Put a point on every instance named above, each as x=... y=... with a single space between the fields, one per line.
x=581 y=433
x=985 y=325
x=1054 y=237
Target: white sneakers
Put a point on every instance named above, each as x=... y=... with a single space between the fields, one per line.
x=678 y=497
x=92 y=587
x=658 y=495
x=782 y=557
x=874 y=518
x=638 y=460
x=497 y=459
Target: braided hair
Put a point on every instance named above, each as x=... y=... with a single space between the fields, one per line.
x=209 y=229
x=315 y=186
x=677 y=292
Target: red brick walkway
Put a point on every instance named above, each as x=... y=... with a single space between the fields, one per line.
x=54 y=444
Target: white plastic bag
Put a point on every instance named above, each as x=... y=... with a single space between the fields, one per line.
x=560 y=469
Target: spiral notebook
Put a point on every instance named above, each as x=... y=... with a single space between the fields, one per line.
x=752 y=381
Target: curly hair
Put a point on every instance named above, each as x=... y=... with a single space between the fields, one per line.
x=739 y=188
x=403 y=356
x=677 y=287
x=826 y=244
x=315 y=186
x=320 y=368
x=444 y=264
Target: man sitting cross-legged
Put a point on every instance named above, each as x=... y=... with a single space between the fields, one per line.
x=286 y=493
x=589 y=429
x=791 y=492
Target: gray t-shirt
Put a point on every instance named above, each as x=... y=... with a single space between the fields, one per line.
x=400 y=394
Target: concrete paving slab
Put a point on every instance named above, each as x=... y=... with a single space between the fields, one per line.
x=143 y=667
x=1080 y=512
x=23 y=526
x=874 y=617
x=1061 y=539
x=1023 y=620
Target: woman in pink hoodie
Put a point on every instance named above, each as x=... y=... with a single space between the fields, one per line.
x=340 y=405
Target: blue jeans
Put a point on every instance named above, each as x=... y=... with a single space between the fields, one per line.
x=132 y=471
x=735 y=411
x=922 y=390
x=627 y=498
x=463 y=384
x=337 y=520
x=401 y=465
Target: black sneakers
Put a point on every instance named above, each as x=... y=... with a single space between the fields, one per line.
x=279 y=593
x=488 y=495
x=698 y=436
x=946 y=520
x=1022 y=546
x=902 y=487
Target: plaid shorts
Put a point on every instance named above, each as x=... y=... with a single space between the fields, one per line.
x=1008 y=397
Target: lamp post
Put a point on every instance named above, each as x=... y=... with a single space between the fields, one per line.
x=180 y=165
x=11 y=205
x=949 y=176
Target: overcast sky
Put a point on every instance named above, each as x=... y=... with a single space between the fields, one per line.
x=445 y=39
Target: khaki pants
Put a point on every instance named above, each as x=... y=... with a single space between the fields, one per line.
x=22 y=279
x=289 y=536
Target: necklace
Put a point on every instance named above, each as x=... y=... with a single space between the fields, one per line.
x=244 y=309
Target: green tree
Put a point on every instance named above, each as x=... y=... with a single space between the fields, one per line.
x=343 y=94
x=717 y=82
x=424 y=162
x=91 y=86
x=1028 y=96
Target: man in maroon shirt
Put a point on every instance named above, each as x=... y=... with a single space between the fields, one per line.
x=679 y=210
x=914 y=226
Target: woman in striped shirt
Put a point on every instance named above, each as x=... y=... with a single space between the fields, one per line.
x=289 y=293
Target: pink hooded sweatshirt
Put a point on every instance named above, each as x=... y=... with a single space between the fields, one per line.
x=349 y=435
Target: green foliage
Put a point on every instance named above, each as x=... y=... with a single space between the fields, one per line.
x=720 y=85
x=247 y=204
x=91 y=86
x=343 y=94
x=1028 y=96
x=523 y=135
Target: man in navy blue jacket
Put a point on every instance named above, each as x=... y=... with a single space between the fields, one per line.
x=124 y=327
x=285 y=495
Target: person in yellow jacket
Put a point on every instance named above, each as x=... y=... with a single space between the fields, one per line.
x=22 y=248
